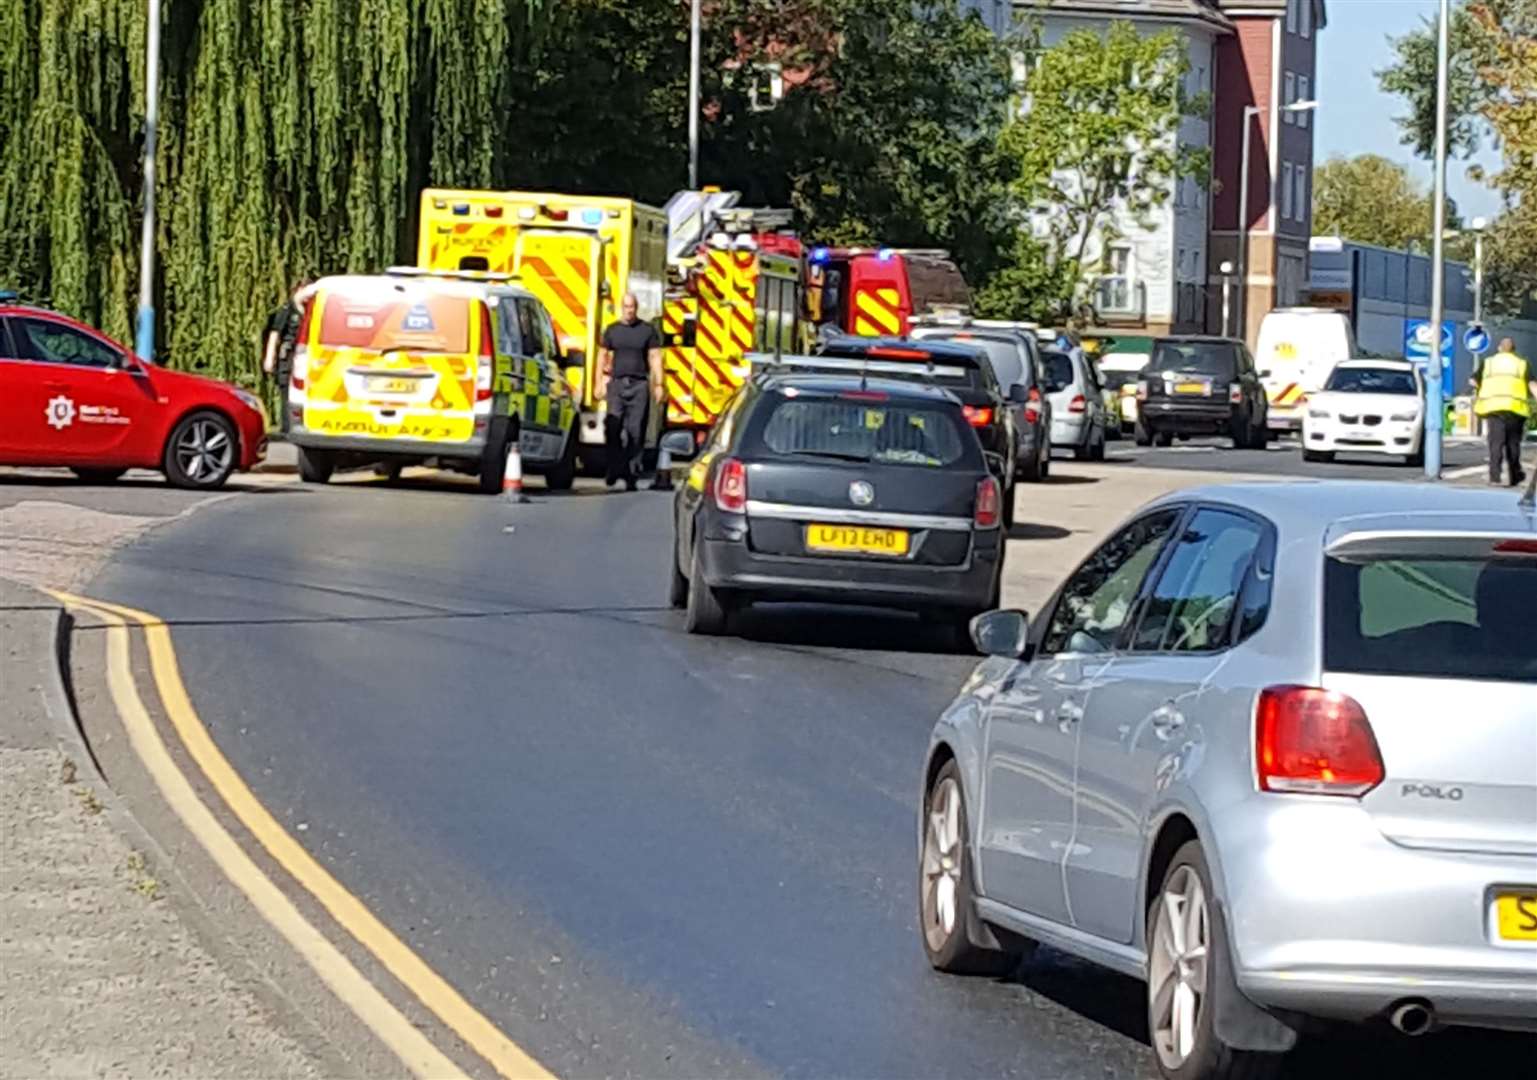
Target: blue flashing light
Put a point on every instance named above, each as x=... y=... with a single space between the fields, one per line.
x=592 y=217
x=7 y=296
x=461 y=208
x=885 y=254
x=820 y=255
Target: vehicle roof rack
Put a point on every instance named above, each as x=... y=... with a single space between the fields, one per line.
x=863 y=367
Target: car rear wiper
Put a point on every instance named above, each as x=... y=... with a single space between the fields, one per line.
x=838 y=454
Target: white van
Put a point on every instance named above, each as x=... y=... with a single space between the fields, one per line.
x=1298 y=348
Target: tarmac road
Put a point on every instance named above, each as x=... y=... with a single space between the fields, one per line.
x=638 y=852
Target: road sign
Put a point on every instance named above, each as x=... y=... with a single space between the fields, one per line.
x=1419 y=340
x=1476 y=339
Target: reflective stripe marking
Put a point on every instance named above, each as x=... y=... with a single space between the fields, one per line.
x=878 y=312
x=845 y=516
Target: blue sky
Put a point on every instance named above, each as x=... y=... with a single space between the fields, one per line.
x=1355 y=117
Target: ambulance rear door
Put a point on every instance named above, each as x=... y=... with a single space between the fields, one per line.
x=880 y=301
x=564 y=268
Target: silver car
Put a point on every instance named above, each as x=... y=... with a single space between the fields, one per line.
x=1077 y=403
x=1271 y=748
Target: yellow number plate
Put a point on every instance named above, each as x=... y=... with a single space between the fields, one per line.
x=381 y=384
x=1516 y=915
x=857 y=539
x=1190 y=388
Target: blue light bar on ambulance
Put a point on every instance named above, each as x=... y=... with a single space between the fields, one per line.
x=820 y=254
x=885 y=254
x=461 y=208
x=592 y=216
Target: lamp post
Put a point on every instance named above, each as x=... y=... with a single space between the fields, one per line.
x=1478 y=225
x=1435 y=407
x=693 y=95
x=1227 y=296
x=1249 y=113
x=144 y=329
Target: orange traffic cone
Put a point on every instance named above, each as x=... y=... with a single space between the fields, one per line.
x=512 y=476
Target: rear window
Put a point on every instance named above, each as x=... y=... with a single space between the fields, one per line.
x=1365 y=380
x=1195 y=358
x=1059 y=368
x=1448 y=618
x=917 y=369
x=1003 y=355
x=891 y=434
x=387 y=320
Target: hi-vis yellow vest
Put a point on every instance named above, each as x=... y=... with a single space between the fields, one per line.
x=1503 y=386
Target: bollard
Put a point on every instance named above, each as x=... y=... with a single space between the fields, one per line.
x=512 y=476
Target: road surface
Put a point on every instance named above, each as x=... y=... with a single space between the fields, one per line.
x=638 y=852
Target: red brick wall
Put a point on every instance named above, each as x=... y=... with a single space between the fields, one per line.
x=1244 y=63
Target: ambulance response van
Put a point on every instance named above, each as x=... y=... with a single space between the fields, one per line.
x=408 y=368
x=1298 y=348
x=578 y=254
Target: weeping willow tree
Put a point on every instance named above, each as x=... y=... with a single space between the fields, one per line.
x=295 y=135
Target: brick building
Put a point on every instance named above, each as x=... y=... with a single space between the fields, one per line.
x=1266 y=64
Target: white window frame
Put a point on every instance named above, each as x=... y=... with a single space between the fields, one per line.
x=1305 y=17
x=1286 y=190
x=1304 y=91
x=1291 y=15
x=1288 y=95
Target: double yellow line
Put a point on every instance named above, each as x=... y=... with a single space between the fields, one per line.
x=415 y=1051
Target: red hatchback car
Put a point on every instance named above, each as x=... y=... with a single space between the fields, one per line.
x=71 y=396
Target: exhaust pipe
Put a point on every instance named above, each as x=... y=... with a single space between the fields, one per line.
x=1412 y=1018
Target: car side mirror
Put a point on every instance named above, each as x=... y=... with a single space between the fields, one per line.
x=1019 y=394
x=680 y=444
x=1001 y=633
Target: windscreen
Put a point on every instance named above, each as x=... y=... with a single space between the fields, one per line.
x=1366 y=380
x=1114 y=380
x=1212 y=358
x=888 y=433
x=386 y=320
x=1464 y=618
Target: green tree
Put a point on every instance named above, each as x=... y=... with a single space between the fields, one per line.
x=1371 y=200
x=1097 y=138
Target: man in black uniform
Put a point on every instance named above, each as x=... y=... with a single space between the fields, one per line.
x=632 y=362
x=279 y=340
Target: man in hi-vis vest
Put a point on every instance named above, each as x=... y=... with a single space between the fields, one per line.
x=1505 y=388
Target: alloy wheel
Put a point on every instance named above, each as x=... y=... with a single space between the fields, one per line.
x=942 y=864
x=204 y=450
x=1177 y=967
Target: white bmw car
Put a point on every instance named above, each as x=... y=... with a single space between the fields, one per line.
x=1367 y=407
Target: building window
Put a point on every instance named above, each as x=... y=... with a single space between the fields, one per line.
x=1305 y=16
x=1301 y=177
x=1286 y=191
x=1288 y=95
x=1304 y=88
x=1291 y=15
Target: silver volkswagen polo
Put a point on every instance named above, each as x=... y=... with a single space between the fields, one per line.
x=1271 y=748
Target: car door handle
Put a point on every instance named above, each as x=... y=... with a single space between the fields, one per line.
x=1167 y=721
x=1068 y=714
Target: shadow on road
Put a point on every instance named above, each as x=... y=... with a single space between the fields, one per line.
x=1034 y=530
x=1334 y=1053
x=1065 y=479
x=868 y=629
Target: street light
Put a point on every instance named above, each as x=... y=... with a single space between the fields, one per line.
x=144 y=330
x=1478 y=226
x=693 y=95
x=1249 y=113
x=1435 y=421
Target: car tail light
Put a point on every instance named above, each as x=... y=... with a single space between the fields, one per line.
x=731 y=486
x=1516 y=547
x=1315 y=742
x=858 y=395
x=1078 y=404
x=1235 y=393
x=1032 y=406
x=892 y=352
x=988 y=503
x=487 y=357
x=1142 y=390
x=977 y=415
